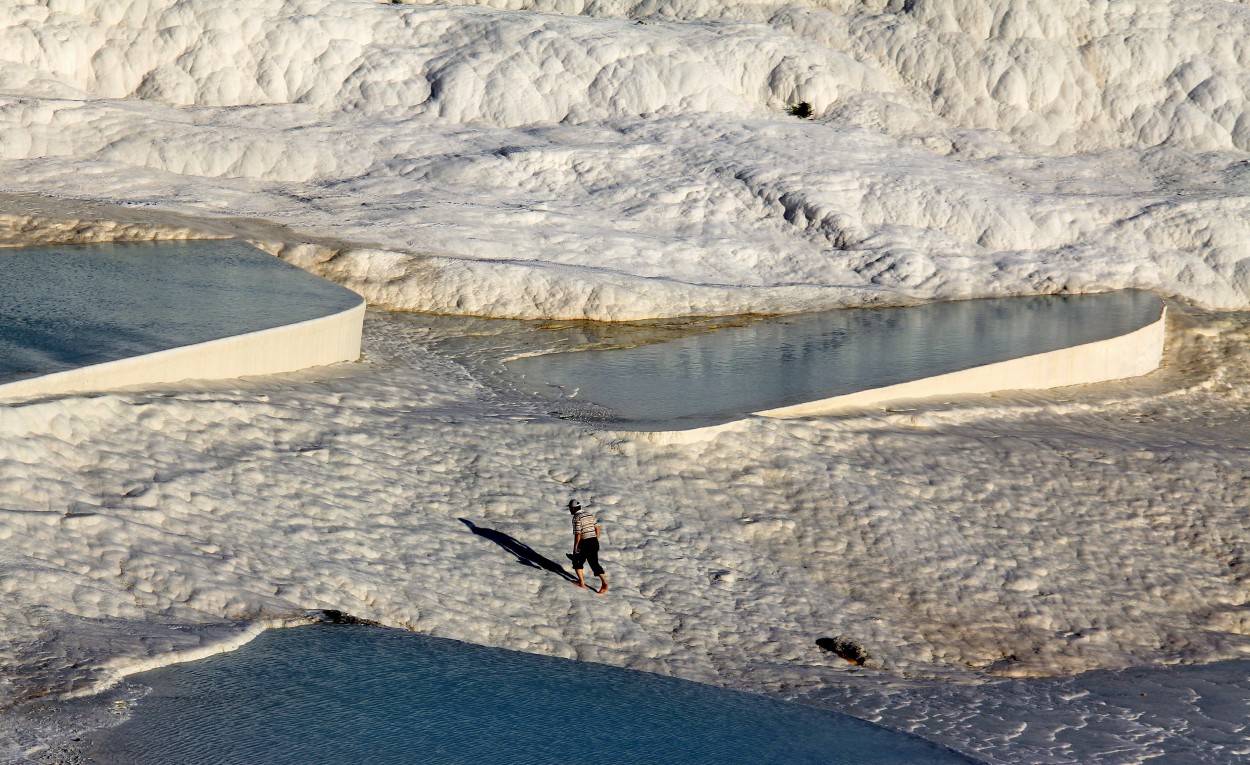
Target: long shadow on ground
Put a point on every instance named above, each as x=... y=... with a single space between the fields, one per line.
x=525 y=554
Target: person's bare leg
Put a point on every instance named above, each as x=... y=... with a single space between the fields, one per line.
x=580 y=581
x=604 y=588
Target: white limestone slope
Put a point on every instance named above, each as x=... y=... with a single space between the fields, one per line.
x=626 y=159
x=620 y=160
x=1018 y=535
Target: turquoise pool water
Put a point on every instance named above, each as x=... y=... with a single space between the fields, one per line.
x=719 y=375
x=360 y=695
x=64 y=307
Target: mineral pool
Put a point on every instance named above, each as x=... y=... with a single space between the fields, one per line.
x=69 y=306
x=358 y=695
x=714 y=376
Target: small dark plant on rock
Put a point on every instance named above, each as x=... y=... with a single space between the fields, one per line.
x=802 y=110
x=845 y=647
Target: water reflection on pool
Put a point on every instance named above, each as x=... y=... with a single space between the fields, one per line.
x=359 y=695
x=788 y=360
x=69 y=306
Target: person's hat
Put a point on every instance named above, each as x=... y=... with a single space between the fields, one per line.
x=574 y=505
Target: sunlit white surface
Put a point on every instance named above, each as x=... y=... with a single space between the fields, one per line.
x=623 y=160
x=618 y=160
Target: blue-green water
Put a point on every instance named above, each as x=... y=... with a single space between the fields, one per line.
x=327 y=695
x=789 y=360
x=64 y=307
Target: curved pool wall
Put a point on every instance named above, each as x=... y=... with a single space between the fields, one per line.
x=352 y=695
x=1130 y=355
x=95 y=317
x=813 y=364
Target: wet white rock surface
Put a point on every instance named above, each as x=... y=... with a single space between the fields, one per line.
x=1045 y=534
x=636 y=159
x=621 y=160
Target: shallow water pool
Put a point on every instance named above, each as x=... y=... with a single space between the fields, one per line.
x=70 y=306
x=359 y=695
x=719 y=375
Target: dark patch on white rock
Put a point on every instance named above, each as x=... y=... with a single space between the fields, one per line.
x=846 y=648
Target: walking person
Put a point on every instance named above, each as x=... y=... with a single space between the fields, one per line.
x=586 y=545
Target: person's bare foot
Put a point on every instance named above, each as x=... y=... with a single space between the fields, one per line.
x=602 y=589
x=580 y=584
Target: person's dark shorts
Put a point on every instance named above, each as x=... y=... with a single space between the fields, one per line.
x=588 y=552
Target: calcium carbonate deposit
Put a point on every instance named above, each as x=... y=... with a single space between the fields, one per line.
x=629 y=159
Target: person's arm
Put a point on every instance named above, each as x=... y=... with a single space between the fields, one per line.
x=598 y=534
x=577 y=540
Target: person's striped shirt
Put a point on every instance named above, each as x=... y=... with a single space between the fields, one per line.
x=584 y=524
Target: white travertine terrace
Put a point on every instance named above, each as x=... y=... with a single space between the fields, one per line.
x=657 y=377
x=621 y=159
x=632 y=159
x=96 y=317
x=1117 y=358
x=315 y=342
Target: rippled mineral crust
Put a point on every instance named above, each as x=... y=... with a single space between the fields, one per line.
x=626 y=160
